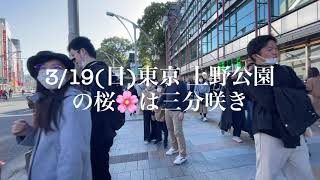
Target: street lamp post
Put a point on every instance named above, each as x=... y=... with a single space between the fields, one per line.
x=73 y=19
x=113 y=58
x=135 y=27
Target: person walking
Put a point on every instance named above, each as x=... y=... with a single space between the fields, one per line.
x=174 y=115
x=104 y=123
x=279 y=141
x=60 y=132
x=201 y=90
x=230 y=117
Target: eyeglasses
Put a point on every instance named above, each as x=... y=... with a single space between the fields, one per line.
x=73 y=59
x=42 y=66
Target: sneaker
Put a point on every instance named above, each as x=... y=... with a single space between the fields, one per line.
x=204 y=119
x=171 y=151
x=157 y=141
x=222 y=132
x=146 y=142
x=153 y=140
x=237 y=139
x=179 y=160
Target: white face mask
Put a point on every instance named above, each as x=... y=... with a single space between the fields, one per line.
x=269 y=61
x=159 y=90
x=51 y=81
x=200 y=80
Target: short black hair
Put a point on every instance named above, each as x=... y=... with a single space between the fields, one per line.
x=82 y=42
x=313 y=72
x=177 y=70
x=256 y=44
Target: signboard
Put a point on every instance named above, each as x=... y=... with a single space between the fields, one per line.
x=4 y=53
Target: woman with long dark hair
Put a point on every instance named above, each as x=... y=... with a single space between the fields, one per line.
x=61 y=128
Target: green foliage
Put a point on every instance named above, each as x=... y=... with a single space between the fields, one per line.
x=151 y=23
x=117 y=47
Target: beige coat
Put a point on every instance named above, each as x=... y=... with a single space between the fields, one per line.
x=159 y=113
x=313 y=85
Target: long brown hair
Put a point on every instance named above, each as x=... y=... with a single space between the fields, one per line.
x=48 y=110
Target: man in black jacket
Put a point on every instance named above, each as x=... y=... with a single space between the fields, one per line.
x=104 y=123
x=276 y=149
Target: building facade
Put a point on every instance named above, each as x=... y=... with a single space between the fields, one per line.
x=208 y=33
x=11 y=72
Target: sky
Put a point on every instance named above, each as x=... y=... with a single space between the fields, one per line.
x=43 y=24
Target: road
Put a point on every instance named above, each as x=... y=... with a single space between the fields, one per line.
x=15 y=108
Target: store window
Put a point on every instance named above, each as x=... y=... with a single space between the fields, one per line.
x=295 y=59
x=315 y=56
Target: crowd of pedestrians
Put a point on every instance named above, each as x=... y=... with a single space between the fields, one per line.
x=70 y=143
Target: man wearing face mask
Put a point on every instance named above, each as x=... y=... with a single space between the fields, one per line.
x=104 y=123
x=276 y=148
x=201 y=90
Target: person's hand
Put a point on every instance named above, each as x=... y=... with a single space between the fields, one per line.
x=19 y=128
x=180 y=116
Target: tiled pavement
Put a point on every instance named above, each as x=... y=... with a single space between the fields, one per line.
x=210 y=154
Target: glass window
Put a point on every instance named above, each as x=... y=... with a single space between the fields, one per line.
x=194 y=50
x=279 y=7
x=183 y=57
x=262 y=12
x=245 y=18
x=220 y=35
x=233 y=26
x=214 y=40
x=315 y=56
x=227 y=30
x=209 y=41
x=204 y=44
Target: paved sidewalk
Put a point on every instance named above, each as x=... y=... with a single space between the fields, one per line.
x=210 y=154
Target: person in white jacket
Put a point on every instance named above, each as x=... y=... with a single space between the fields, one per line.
x=60 y=132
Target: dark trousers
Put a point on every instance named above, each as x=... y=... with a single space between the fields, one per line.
x=100 y=164
x=149 y=126
x=161 y=127
x=250 y=117
x=237 y=122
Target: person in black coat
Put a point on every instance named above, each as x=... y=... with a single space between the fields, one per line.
x=276 y=148
x=104 y=123
x=229 y=118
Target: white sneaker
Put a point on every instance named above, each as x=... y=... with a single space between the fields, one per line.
x=146 y=142
x=171 y=151
x=179 y=160
x=204 y=119
x=237 y=139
